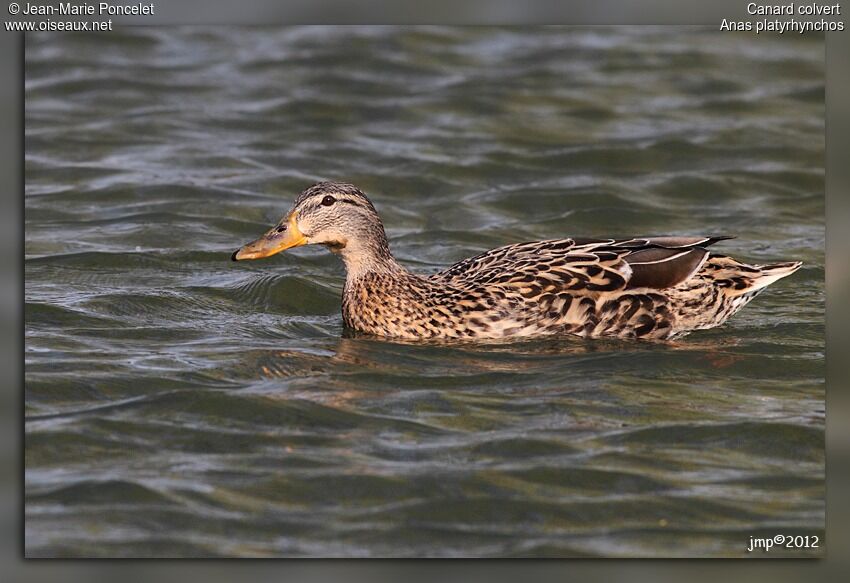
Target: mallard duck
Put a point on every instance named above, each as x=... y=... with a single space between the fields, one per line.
x=645 y=287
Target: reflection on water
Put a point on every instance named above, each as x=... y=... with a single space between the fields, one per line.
x=179 y=404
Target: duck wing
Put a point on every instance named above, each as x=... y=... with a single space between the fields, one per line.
x=589 y=265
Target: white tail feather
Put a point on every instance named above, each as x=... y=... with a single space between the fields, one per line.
x=772 y=273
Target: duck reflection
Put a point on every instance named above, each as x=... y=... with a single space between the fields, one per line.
x=367 y=360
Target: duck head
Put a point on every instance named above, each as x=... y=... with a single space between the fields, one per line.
x=334 y=214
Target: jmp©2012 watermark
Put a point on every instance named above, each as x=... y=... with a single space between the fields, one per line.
x=785 y=541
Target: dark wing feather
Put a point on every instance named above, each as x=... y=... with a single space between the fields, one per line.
x=687 y=242
x=636 y=243
x=660 y=268
x=658 y=262
x=590 y=265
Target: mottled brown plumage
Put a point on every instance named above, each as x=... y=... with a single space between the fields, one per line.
x=656 y=287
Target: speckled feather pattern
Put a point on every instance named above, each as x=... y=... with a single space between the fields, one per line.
x=555 y=287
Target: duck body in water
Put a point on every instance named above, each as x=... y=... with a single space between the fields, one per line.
x=653 y=287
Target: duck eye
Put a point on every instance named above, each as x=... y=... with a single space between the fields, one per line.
x=328 y=200
x=280 y=229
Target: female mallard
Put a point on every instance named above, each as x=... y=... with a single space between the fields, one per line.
x=633 y=288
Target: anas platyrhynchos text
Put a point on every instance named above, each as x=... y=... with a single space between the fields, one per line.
x=643 y=287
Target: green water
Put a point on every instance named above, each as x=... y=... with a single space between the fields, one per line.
x=180 y=404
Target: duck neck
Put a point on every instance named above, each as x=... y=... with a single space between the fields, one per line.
x=368 y=256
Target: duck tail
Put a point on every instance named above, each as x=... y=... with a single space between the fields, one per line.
x=739 y=279
x=764 y=276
